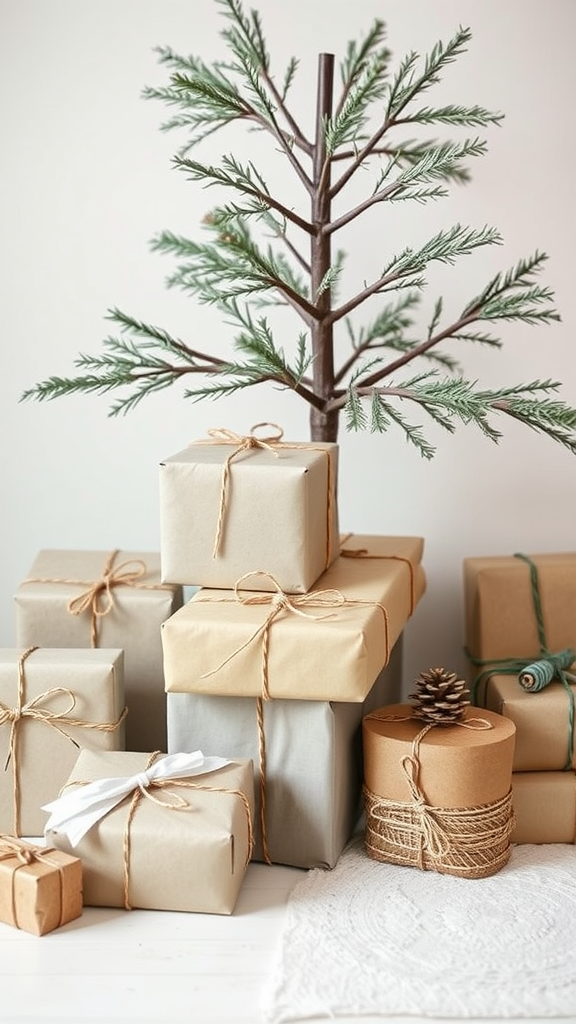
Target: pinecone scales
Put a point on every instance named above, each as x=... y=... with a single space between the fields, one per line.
x=440 y=697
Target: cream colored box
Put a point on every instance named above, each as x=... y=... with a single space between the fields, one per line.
x=276 y=506
x=329 y=644
x=193 y=859
x=312 y=778
x=544 y=806
x=53 y=703
x=542 y=719
x=69 y=596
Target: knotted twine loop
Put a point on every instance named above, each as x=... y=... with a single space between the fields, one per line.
x=26 y=854
x=534 y=674
x=34 y=710
x=169 y=802
x=99 y=598
x=272 y=443
x=472 y=842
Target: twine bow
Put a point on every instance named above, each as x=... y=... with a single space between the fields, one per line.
x=34 y=710
x=243 y=443
x=98 y=598
x=535 y=674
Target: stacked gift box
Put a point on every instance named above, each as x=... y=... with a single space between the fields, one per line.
x=293 y=635
x=521 y=638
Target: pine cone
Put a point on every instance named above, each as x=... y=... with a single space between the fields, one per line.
x=440 y=697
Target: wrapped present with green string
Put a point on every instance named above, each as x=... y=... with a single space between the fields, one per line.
x=520 y=638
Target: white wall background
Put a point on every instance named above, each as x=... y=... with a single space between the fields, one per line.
x=86 y=181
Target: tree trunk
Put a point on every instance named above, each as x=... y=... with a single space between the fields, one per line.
x=323 y=425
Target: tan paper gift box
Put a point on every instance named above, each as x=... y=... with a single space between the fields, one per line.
x=438 y=797
x=544 y=722
x=53 y=703
x=40 y=888
x=502 y=603
x=328 y=644
x=105 y=599
x=230 y=504
x=544 y=807
x=307 y=762
x=158 y=832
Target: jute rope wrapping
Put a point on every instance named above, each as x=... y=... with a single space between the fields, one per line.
x=471 y=842
x=271 y=443
x=169 y=802
x=280 y=603
x=538 y=671
x=26 y=854
x=98 y=599
x=36 y=710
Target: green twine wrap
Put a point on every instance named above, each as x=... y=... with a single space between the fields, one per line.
x=541 y=671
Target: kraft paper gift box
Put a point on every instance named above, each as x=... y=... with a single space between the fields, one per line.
x=328 y=644
x=312 y=779
x=544 y=806
x=439 y=798
x=111 y=600
x=500 y=617
x=543 y=720
x=40 y=888
x=186 y=849
x=275 y=509
x=53 y=702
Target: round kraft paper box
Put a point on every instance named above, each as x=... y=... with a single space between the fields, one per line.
x=439 y=797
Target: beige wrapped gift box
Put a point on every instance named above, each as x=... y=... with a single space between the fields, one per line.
x=544 y=806
x=105 y=599
x=309 y=795
x=52 y=704
x=40 y=888
x=185 y=849
x=227 y=508
x=329 y=644
x=543 y=722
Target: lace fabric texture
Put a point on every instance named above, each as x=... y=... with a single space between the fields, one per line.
x=374 y=938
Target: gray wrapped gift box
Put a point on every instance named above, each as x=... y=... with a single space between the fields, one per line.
x=314 y=766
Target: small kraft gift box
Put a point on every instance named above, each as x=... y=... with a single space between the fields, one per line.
x=230 y=504
x=110 y=599
x=156 y=831
x=53 y=703
x=40 y=887
x=286 y=681
x=437 y=782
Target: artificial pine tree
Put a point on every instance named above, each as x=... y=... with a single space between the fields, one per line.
x=265 y=249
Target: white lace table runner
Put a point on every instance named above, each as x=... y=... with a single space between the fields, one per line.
x=373 y=938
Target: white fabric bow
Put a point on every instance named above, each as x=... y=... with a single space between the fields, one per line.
x=77 y=811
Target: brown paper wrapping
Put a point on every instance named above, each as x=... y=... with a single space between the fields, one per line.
x=42 y=894
x=545 y=807
x=132 y=624
x=280 y=514
x=313 y=769
x=216 y=645
x=499 y=608
x=542 y=721
x=459 y=767
x=44 y=756
x=188 y=860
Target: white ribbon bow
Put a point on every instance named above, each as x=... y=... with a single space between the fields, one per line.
x=77 y=811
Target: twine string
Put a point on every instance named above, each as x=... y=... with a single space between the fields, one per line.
x=536 y=673
x=272 y=443
x=34 y=710
x=99 y=599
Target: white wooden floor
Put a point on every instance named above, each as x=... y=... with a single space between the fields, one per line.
x=139 y=966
